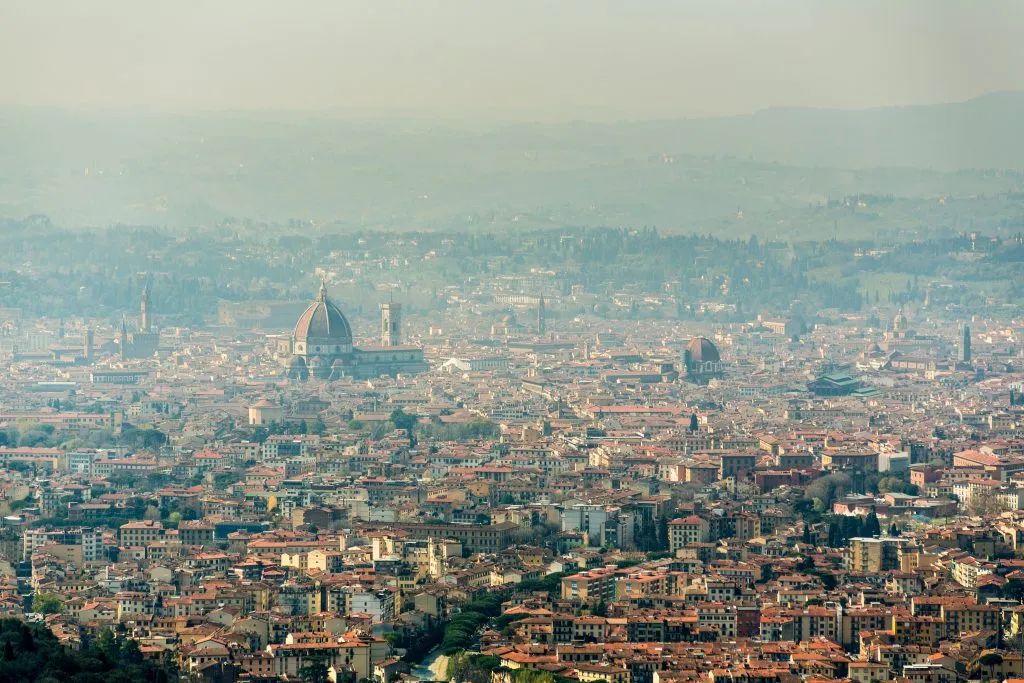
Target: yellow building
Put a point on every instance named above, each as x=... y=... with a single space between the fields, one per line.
x=686 y=530
x=874 y=555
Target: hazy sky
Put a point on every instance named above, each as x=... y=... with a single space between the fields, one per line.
x=529 y=58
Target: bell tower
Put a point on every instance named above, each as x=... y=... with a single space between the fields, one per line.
x=391 y=324
x=145 y=323
x=88 y=342
x=123 y=340
x=541 y=313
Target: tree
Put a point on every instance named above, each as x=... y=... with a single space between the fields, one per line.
x=990 y=660
x=852 y=527
x=871 y=525
x=694 y=425
x=46 y=603
x=894 y=530
x=827 y=488
x=142 y=439
x=403 y=420
x=32 y=654
x=663 y=543
x=158 y=480
x=223 y=480
x=896 y=485
x=835 y=535
x=315 y=670
x=985 y=503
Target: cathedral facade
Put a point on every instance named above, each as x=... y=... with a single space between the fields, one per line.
x=321 y=346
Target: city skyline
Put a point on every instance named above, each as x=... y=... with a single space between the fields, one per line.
x=337 y=347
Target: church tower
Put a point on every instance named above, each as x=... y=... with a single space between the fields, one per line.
x=145 y=323
x=391 y=324
x=541 y=326
x=123 y=340
x=965 y=346
x=87 y=343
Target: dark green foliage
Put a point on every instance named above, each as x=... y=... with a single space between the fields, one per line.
x=404 y=421
x=46 y=603
x=841 y=528
x=900 y=484
x=314 y=671
x=472 y=668
x=222 y=480
x=460 y=633
x=506 y=620
x=145 y=438
x=552 y=583
x=32 y=653
x=872 y=527
x=254 y=260
x=478 y=428
x=828 y=488
x=646 y=535
x=417 y=643
x=663 y=543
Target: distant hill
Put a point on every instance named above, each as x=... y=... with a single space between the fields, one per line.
x=100 y=167
x=986 y=132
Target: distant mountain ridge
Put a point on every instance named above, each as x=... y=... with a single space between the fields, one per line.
x=985 y=132
x=982 y=133
x=96 y=167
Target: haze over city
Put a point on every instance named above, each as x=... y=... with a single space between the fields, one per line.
x=511 y=342
x=508 y=60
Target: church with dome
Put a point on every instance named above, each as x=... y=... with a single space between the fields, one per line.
x=321 y=346
x=701 y=361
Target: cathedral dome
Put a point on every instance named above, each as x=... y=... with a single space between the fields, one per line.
x=702 y=350
x=323 y=324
